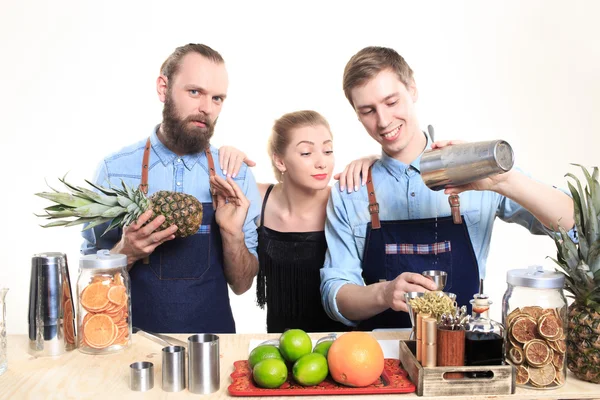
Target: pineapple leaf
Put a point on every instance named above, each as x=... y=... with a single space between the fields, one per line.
x=98 y=198
x=91 y=210
x=579 y=221
x=57 y=207
x=68 y=185
x=102 y=189
x=65 y=199
x=60 y=214
x=591 y=230
x=79 y=221
x=114 y=212
x=55 y=223
x=593 y=185
x=569 y=248
x=96 y=222
x=114 y=223
x=593 y=259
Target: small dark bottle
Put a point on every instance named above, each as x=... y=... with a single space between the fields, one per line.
x=484 y=337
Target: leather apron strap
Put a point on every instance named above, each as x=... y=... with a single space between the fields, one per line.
x=373 y=204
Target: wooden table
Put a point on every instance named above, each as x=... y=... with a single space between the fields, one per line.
x=79 y=376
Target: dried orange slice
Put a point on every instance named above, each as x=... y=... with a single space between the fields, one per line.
x=549 y=327
x=522 y=375
x=99 y=331
x=118 y=279
x=524 y=329
x=558 y=360
x=559 y=379
x=537 y=353
x=559 y=345
x=95 y=297
x=533 y=311
x=515 y=355
x=543 y=376
x=511 y=316
x=117 y=295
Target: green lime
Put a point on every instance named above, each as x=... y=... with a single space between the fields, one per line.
x=323 y=347
x=294 y=343
x=270 y=373
x=263 y=352
x=311 y=369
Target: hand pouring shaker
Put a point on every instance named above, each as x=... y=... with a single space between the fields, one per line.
x=51 y=311
x=464 y=163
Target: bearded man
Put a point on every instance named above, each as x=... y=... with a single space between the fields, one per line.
x=180 y=285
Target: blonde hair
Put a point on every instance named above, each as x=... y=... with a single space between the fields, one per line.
x=282 y=128
x=370 y=61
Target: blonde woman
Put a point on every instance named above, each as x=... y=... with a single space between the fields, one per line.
x=291 y=238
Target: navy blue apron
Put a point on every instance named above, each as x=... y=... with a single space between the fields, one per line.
x=183 y=288
x=394 y=247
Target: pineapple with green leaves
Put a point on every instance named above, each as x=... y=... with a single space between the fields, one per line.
x=580 y=263
x=120 y=207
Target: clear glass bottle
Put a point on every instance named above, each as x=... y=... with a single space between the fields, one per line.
x=534 y=310
x=104 y=306
x=484 y=337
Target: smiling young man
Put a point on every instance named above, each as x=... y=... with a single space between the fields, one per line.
x=180 y=285
x=383 y=236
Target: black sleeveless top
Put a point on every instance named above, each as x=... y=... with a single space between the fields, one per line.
x=289 y=279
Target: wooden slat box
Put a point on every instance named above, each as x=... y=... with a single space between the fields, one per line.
x=430 y=381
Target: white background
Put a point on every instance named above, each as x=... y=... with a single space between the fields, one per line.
x=77 y=81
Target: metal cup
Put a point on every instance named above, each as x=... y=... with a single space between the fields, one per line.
x=51 y=309
x=173 y=368
x=407 y=297
x=141 y=377
x=203 y=364
x=438 y=277
x=464 y=163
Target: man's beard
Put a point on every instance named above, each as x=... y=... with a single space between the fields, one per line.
x=182 y=136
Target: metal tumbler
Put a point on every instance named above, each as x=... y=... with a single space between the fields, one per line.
x=51 y=311
x=203 y=364
x=173 y=368
x=464 y=163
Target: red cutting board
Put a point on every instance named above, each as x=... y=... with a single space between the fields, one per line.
x=393 y=380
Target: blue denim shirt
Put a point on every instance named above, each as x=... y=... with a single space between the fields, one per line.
x=402 y=195
x=168 y=171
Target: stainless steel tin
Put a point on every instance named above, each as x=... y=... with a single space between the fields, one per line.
x=464 y=163
x=141 y=376
x=203 y=364
x=51 y=307
x=173 y=368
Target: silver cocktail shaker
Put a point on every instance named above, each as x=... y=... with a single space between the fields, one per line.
x=464 y=163
x=51 y=310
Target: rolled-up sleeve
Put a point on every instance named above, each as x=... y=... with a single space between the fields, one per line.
x=252 y=194
x=342 y=261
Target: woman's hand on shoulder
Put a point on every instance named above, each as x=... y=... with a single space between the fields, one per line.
x=231 y=159
x=355 y=173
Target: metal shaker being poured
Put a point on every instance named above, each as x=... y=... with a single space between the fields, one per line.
x=460 y=164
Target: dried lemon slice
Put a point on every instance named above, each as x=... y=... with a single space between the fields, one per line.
x=524 y=329
x=543 y=376
x=522 y=375
x=537 y=353
x=516 y=355
x=549 y=327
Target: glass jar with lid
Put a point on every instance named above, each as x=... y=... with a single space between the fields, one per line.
x=104 y=306
x=534 y=312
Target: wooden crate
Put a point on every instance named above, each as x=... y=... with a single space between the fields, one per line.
x=431 y=381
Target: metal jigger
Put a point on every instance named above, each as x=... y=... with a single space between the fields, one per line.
x=407 y=297
x=438 y=277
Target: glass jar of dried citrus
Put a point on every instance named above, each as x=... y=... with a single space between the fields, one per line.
x=104 y=307
x=534 y=312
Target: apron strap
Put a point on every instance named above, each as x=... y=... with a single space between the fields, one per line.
x=145 y=167
x=373 y=204
x=211 y=162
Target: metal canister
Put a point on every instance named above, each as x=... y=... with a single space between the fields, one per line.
x=460 y=164
x=51 y=311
